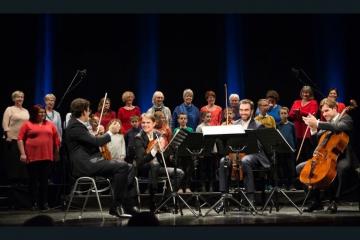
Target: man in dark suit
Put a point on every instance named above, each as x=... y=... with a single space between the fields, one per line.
x=86 y=159
x=346 y=160
x=250 y=161
x=148 y=158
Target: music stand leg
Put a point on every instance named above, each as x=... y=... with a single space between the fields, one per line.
x=306 y=197
x=174 y=196
x=275 y=191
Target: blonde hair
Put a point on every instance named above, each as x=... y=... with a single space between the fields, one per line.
x=49 y=95
x=16 y=94
x=127 y=94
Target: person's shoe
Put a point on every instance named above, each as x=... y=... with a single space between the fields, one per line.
x=219 y=207
x=115 y=211
x=332 y=208
x=203 y=188
x=211 y=188
x=180 y=191
x=314 y=207
x=188 y=190
x=131 y=210
x=292 y=187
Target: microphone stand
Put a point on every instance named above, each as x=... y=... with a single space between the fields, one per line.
x=82 y=75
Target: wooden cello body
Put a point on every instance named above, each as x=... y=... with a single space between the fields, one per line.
x=320 y=171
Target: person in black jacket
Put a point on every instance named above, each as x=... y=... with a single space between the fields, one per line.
x=148 y=158
x=87 y=160
x=346 y=161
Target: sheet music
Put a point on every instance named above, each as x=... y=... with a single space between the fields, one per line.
x=222 y=130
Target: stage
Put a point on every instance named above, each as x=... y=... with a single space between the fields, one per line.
x=348 y=215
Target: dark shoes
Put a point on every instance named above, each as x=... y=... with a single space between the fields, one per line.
x=128 y=211
x=131 y=210
x=315 y=206
x=332 y=207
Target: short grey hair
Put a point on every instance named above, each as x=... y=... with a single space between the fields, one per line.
x=187 y=92
x=234 y=95
x=157 y=93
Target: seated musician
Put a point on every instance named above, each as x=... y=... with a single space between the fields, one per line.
x=250 y=161
x=83 y=148
x=148 y=159
x=346 y=160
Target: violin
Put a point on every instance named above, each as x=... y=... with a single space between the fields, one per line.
x=237 y=173
x=320 y=171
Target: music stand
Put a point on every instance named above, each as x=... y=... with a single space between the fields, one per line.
x=194 y=147
x=274 y=142
x=240 y=142
x=172 y=148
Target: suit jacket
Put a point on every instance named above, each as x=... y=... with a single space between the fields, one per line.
x=83 y=148
x=141 y=143
x=345 y=124
x=253 y=124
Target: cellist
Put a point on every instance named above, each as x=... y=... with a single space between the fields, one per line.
x=335 y=123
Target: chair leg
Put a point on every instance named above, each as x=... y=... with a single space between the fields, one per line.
x=85 y=202
x=138 y=192
x=71 y=198
x=98 y=199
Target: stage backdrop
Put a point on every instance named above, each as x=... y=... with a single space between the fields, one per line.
x=172 y=52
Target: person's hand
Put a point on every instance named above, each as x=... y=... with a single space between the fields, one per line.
x=23 y=157
x=311 y=121
x=114 y=127
x=101 y=130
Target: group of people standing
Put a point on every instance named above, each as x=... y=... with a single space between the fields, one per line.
x=33 y=139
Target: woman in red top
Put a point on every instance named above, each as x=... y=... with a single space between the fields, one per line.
x=108 y=114
x=302 y=108
x=129 y=110
x=215 y=110
x=38 y=143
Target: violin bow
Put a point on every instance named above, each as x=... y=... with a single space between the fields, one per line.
x=101 y=114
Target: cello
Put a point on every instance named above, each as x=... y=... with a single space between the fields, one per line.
x=320 y=171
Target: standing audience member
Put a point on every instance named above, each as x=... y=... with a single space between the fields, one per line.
x=51 y=114
x=158 y=105
x=274 y=109
x=192 y=112
x=108 y=114
x=264 y=118
x=287 y=160
x=130 y=139
x=215 y=110
x=302 y=108
x=117 y=144
x=39 y=144
x=127 y=111
x=14 y=117
x=234 y=101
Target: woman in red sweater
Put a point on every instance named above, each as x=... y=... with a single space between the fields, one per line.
x=108 y=114
x=129 y=110
x=302 y=108
x=38 y=143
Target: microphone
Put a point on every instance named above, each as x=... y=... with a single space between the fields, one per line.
x=83 y=72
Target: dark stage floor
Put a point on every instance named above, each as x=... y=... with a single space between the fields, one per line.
x=348 y=215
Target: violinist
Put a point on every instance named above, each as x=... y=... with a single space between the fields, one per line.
x=335 y=124
x=250 y=161
x=148 y=157
x=83 y=148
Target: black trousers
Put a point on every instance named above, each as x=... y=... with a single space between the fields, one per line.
x=123 y=179
x=38 y=181
x=15 y=169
